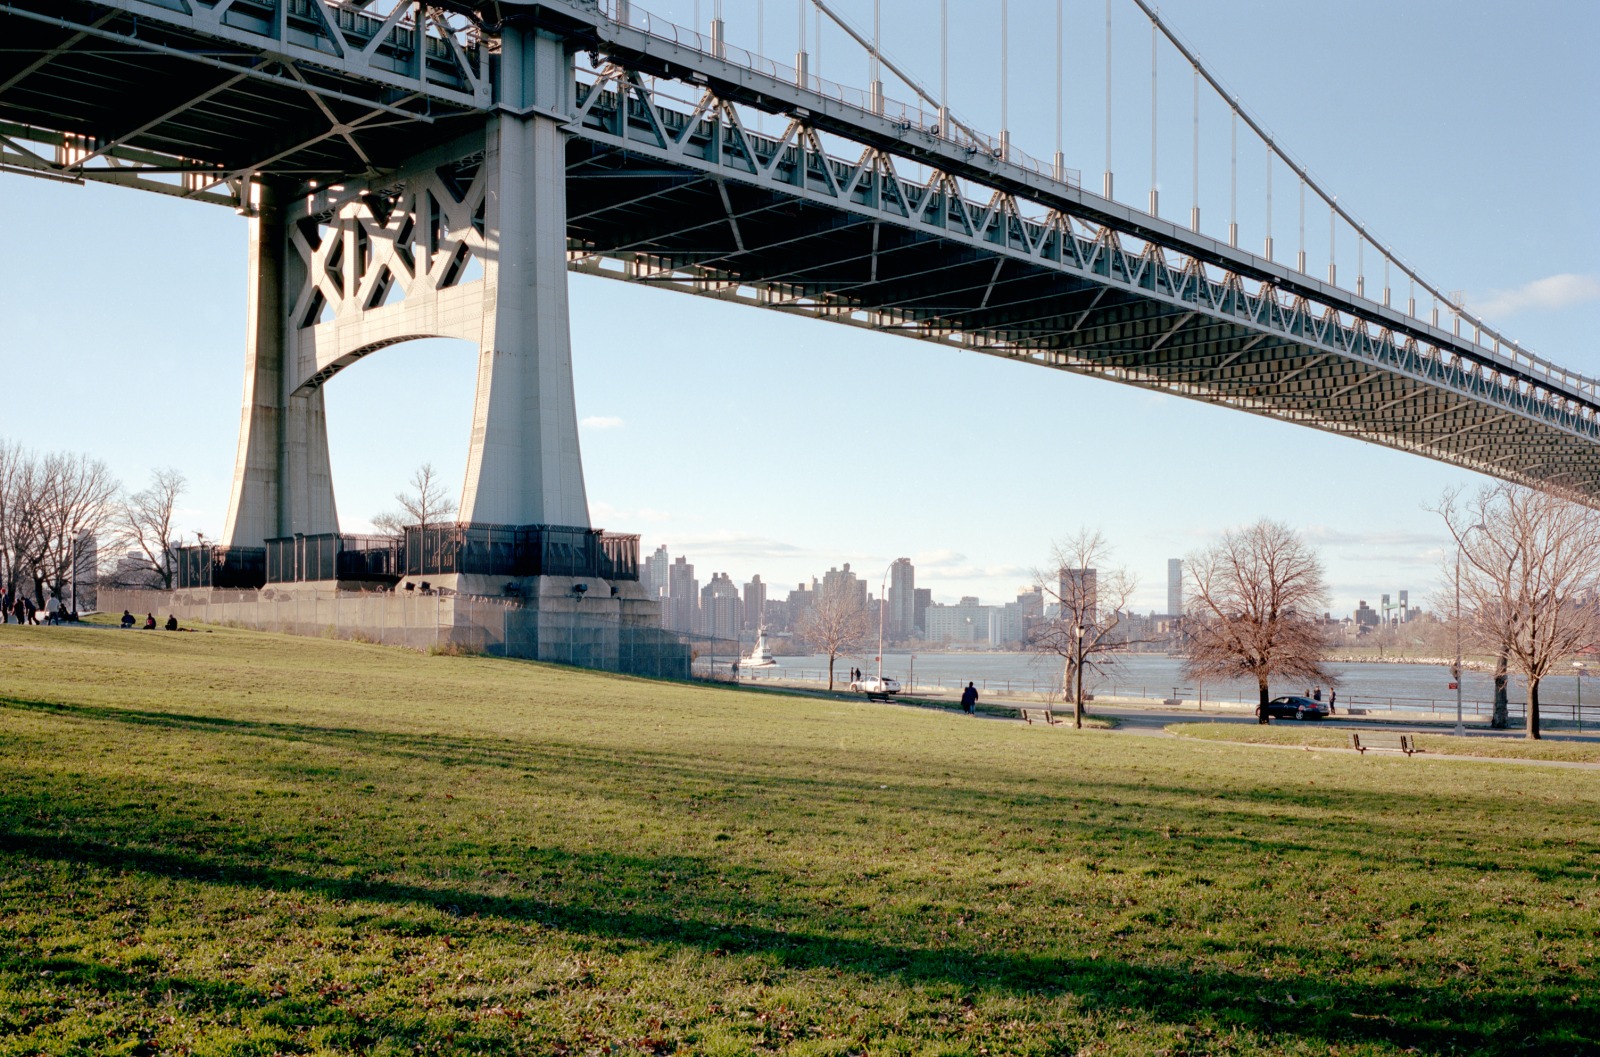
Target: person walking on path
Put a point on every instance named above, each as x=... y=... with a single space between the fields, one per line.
x=969 y=700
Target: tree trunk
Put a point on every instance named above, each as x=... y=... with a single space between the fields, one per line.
x=1502 y=709
x=1261 y=706
x=830 y=671
x=1533 y=708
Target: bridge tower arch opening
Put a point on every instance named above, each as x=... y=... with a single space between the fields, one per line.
x=341 y=271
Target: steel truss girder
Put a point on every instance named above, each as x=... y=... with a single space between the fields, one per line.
x=337 y=37
x=56 y=156
x=1329 y=339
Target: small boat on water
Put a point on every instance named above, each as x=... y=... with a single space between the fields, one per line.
x=760 y=655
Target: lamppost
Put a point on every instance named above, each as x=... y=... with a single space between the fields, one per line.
x=1077 y=665
x=883 y=597
x=1461 y=729
x=1577 y=672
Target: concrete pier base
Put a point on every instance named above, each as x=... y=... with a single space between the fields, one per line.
x=618 y=633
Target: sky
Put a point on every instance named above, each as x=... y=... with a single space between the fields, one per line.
x=1462 y=132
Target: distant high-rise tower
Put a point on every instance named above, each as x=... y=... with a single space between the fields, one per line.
x=1079 y=595
x=902 y=599
x=719 y=607
x=683 y=597
x=655 y=573
x=922 y=598
x=845 y=582
x=755 y=603
x=1175 y=587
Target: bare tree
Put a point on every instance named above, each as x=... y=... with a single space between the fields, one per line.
x=14 y=510
x=47 y=505
x=390 y=524
x=427 y=503
x=81 y=496
x=1529 y=576
x=1253 y=597
x=835 y=623
x=142 y=529
x=1091 y=606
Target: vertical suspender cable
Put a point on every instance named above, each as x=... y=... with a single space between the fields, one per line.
x=1005 y=79
x=877 y=37
x=1194 y=211
x=1061 y=158
x=1300 y=260
x=1268 y=253
x=1361 y=266
x=1233 y=180
x=1333 y=272
x=944 y=70
x=1155 y=196
x=761 y=49
x=801 y=73
x=1108 y=189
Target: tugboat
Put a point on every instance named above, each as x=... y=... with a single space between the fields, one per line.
x=760 y=655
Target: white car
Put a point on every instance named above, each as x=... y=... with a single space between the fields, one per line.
x=876 y=687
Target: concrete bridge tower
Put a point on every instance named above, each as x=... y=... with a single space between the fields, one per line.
x=348 y=270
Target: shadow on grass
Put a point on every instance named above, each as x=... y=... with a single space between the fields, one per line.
x=1380 y=820
x=1328 y=1011
x=708 y=906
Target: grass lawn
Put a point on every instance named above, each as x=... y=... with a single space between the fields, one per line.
x=1333 y=736
x=238 y=843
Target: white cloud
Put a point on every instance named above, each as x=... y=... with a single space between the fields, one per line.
x=617 y=517
x=724 y=545
x=1551 y=292
x=601 y=422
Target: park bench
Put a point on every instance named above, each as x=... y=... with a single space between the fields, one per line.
x=1043 y=715
x=1387 y=741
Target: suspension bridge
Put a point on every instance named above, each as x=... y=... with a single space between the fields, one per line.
x=433 y=169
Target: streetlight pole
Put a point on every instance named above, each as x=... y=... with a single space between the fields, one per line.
x=1461 y=540
x=1461 y=729
x=1577 y=672
x=1077 y=664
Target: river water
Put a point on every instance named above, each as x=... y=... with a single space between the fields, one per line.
x=1402 y=687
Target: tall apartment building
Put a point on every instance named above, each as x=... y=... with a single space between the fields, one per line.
x=846 y=581
x=755 y=603
x=1078 y=596
x=719 y=608
x=922 y=598
x=1175 y=587
x=655 y=573
x=965 y=622
x=902 y=617
x=799 y=602
x=682 y=611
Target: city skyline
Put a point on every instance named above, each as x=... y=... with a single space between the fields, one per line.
x=686 y=603
x=763 y=441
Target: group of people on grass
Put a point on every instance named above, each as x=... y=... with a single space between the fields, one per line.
x=14 y=605
x=129 y=620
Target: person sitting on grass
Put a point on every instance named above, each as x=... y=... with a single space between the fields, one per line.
x=172 y=622
x=127 y=619
x=149 y=622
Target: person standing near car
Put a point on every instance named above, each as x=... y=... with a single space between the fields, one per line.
x=969 y=700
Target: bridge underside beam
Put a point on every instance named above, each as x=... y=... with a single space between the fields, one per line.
x=633 y=218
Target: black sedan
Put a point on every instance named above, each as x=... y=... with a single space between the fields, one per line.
x=1296 y=708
